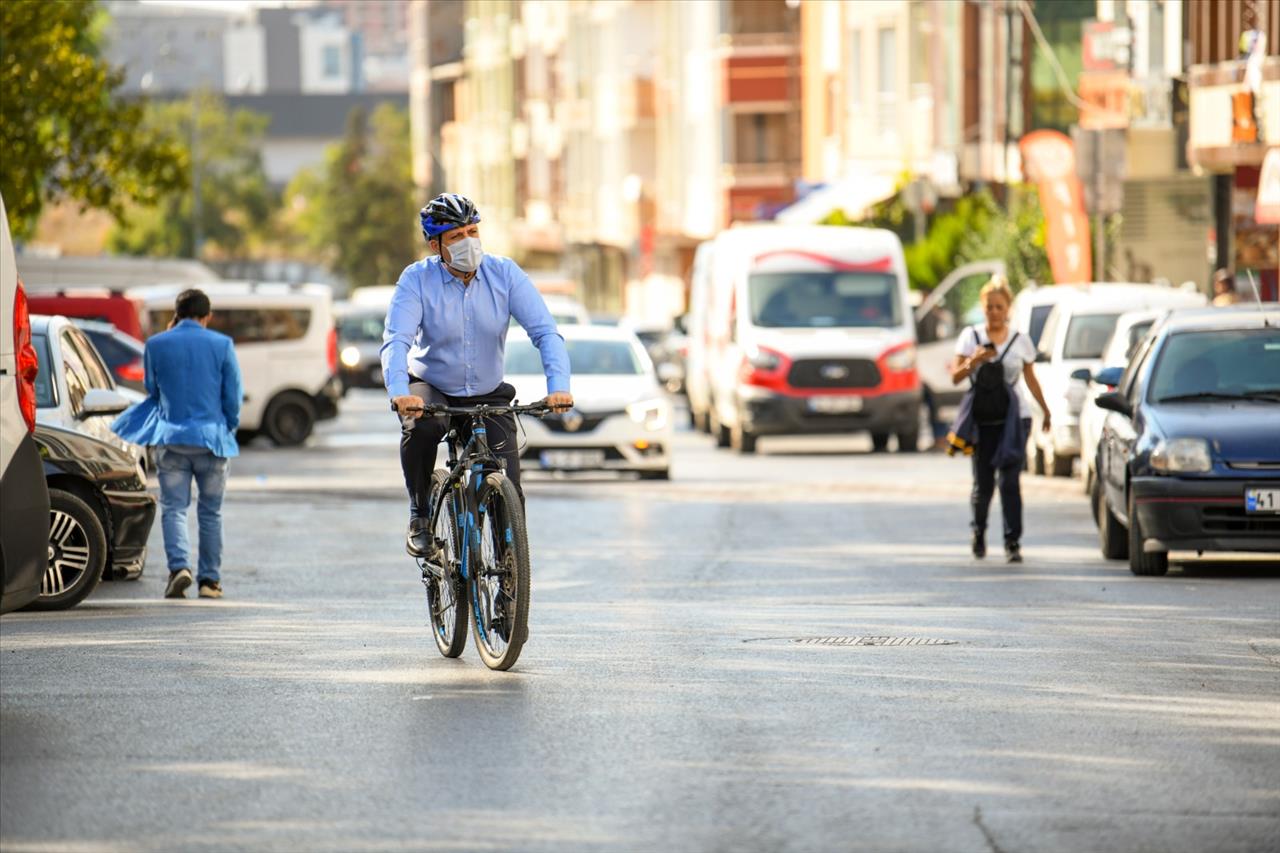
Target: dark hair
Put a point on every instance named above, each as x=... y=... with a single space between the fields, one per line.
x=192 y=305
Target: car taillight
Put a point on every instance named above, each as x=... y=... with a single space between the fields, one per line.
x=333 y=350
x=28 y=361
x=131 y=372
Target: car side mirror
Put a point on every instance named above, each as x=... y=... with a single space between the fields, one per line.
x=1081 y=374
x=102 y=401
x=1114 y=401
x=1109 y=376
x=1042 y=357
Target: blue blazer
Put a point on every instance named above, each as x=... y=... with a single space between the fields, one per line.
x=193 y=392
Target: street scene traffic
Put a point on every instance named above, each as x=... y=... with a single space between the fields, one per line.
x=547 y=425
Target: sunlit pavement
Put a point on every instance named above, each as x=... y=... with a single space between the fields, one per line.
x=697 y=676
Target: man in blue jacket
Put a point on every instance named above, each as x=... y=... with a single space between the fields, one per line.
x=190 y=417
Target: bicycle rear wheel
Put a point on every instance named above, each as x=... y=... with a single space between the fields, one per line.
x=446 y=591
x=500 y=583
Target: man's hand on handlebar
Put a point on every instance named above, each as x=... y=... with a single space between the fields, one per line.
x=560 y=401
x=408 y=406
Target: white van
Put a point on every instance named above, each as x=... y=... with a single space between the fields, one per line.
x=287 y=346
x=697 y=382
x=810 y=331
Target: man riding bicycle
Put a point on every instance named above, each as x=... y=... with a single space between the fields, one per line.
x=444 y=341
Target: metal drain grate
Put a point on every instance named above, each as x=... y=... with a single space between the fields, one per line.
x=871 y=641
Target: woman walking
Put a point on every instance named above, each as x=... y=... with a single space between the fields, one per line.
x=995 y=415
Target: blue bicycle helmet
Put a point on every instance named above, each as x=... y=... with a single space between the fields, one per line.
x=446 y=212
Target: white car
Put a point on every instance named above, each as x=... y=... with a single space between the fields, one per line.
x=75 y=389
x=621 y=420
x=1074 y=338
x=1131 y=328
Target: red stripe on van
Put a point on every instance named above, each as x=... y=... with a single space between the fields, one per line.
x=879 y=265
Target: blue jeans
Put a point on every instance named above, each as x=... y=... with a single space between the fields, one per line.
x=177 y=466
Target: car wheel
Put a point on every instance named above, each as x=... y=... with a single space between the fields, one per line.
x=289 y=419
x=77 y=553
x=1140 y=562
x=1057 y=465
x=719 y=431
x=879 y=442
x=909 y=442
x=1112 y=536
x=663 y=474
x=742 y=440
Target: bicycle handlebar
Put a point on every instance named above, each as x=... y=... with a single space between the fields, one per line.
x=437 y=410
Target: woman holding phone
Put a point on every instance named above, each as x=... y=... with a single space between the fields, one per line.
x=999 y=423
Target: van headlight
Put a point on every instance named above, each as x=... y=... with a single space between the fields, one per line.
x=1181 y=456
x=350 y=356
x=901 y=359
x=652 y=413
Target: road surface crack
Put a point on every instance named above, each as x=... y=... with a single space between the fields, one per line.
x=986 y=833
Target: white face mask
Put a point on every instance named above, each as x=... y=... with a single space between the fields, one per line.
x=464 y=255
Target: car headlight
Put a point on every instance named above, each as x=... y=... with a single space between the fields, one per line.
x=1181 y=456
x=651 y=413
x=350 y=356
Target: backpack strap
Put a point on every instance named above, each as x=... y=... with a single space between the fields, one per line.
x=1007 y=347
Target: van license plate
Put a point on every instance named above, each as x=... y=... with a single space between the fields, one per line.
x=835 y=405
x=1262 y=500
x=568 y=459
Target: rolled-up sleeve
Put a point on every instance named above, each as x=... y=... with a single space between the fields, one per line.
x=531 y=313
x=404 y=319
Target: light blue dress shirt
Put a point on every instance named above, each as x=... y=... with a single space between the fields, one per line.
x=454 y=336
x=193 y=392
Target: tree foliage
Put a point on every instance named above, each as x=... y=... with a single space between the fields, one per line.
x=236 y=201
x=64 y=133
x=358 y=212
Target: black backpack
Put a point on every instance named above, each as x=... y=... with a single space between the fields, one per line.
x=990 y=391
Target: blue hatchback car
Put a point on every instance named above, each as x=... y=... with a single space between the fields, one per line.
x=1189 y=458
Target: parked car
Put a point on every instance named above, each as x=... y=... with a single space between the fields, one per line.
x=811 y=332
x=74 y=388
x=360 y=344
x=287 y=346
x=24 y=535
x=1073 y=339
x=1189 y=457
x=1132 y=327
x=1033 y=304
x=122 y=352
x=95 y=303
x=565 y=310
x=100 y=515
x=621 y=420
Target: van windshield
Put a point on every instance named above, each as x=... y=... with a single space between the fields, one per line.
x=824 y=299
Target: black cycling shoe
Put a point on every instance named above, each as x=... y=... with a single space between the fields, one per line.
x=418 y=540
x=979 y=544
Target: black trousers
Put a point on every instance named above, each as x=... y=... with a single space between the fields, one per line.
x=420 y=437
x=985 y=476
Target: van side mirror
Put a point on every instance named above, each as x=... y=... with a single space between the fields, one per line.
x=1114 y=401
x=1042 y=357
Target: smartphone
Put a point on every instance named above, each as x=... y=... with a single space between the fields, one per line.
x=989 y=346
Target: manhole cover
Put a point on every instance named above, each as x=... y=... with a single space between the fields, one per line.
x=870 y=641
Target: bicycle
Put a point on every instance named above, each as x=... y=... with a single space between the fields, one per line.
x=482 y=546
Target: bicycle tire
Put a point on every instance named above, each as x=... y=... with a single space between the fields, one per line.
x=502 y=526
x=446 y=599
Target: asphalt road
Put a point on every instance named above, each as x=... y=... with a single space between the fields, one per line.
x=663 y=701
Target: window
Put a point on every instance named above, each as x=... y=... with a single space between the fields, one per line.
x=332 y=55
x=361 y=327
x=249 y=325
x=760 y=138
x=1088 y=335
x=45 y=397
x=95 y=370
x=1039 y=314
x=824 y=300
x=757 y=16
x=1227 y=361
x=1048 y=331
x=586 y=358
x=886 y=80
x=76 y=376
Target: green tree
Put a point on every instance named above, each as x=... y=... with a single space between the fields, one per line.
x=234 y=198
x=358 y=212
x=64 y=132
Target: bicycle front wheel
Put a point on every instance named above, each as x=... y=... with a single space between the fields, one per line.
x=446 y=591
x=500 y=584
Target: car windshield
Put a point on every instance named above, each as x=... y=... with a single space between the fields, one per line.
x=823 y=299
x=1137 y=332
x=1039 y=314
x=586 y=358
x=1220 y=362
x=1088 y=335
x=44 y=380
x=360 y=327
x=561 y=318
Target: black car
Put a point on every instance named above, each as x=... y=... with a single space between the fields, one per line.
x=1190 y=457
x=100 y=515
x=122 y=352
